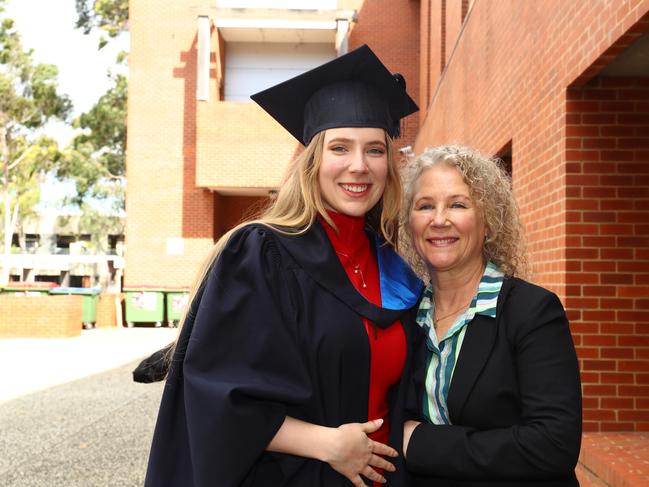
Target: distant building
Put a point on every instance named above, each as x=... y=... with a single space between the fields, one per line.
x=55 y=250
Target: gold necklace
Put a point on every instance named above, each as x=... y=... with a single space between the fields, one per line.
x=437 y=320
x=357 y=268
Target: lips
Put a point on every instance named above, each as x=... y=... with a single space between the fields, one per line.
x=442 y=241
x=355 y=188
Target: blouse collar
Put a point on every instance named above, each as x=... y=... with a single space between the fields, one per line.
x=350 y=236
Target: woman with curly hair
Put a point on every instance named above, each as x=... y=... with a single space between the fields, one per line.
x=500 y=390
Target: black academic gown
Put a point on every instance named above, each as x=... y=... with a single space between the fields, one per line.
x=278 y=332
x=514 y=401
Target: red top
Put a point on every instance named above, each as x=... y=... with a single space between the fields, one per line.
x=387 y=345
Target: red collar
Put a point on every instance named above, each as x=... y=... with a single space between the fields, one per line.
x=350 y=237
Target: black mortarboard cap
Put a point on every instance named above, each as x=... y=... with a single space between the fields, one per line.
x=353 y=90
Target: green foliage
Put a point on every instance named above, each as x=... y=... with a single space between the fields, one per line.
x=95 y=159
x=105 y=124
x=28 y=100
x=28 y=91
x=97 y=224
x=109 y=16
x=36 y=157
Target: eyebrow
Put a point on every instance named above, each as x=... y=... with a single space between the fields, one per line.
x=453 y=196
x=344 y=139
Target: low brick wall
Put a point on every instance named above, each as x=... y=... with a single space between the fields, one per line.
x=615 y=459
x=107 y=307
x=40 y=316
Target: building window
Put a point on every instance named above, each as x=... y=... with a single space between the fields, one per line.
x=32 y=241
x=63 y=243
x=115 y=243
x=46 y=278
x=505 y=155
x=279 y=4
x=76 y=281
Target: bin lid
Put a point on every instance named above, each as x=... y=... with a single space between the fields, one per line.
x=87 y=291
x=30 y=286
x=143 y=290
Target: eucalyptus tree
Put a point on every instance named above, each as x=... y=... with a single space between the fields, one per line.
x=29 y=98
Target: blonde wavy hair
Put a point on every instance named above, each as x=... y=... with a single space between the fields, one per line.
x=490 y=188
x=299 y=201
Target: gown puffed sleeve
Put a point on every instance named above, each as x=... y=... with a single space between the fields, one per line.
x=234 y=373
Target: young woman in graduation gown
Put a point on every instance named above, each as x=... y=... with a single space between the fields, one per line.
x=292 y=367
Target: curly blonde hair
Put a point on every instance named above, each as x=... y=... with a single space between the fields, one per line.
x=491 y=189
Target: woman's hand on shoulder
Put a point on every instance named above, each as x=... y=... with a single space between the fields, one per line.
x=352 y=453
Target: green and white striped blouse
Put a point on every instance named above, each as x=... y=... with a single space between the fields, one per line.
x=442 y=356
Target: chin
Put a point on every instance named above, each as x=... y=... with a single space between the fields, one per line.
x=353 y=211
x=439 y=266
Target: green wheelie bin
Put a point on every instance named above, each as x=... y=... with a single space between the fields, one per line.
x=176 y=300
x=90 y=300
x=144 y=305
x=29 y=288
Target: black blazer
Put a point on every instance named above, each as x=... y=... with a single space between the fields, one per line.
x=514 y=401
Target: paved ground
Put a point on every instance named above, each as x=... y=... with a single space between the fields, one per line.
x=92 y=431
x=32 y=364
x=71 y=416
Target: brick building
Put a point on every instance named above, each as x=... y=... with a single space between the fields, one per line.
x=558 y=89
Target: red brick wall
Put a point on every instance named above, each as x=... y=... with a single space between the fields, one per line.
x=241 y=132
x=432 y=51
x=40 y=316
x=607 y=247
x=391 y=29
x=453 y=24
x=515 y=76
x=107 y=310
x=506 y=82
x=232 y=210
x=163 y=200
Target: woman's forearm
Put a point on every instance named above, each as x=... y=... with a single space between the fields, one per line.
x=298 y=437
x=408 y=428
x=347 y=448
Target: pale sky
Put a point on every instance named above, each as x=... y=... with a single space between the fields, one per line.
x=47 y=27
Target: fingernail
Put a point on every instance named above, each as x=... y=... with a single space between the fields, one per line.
x=380 y=420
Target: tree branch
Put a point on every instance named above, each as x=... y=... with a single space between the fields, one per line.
x=20 y=159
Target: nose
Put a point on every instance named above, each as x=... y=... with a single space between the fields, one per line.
x=357 y=163
x=438 y=218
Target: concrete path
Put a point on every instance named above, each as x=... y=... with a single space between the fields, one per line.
x=31 y=364
x=92 y=431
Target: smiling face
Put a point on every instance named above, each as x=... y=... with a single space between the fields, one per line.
x=446 y=225
x=353 y=169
